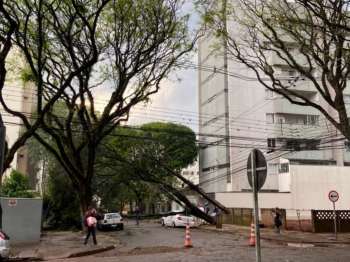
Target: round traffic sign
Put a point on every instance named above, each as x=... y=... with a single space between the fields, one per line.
x=260 y=168
x=333 y=196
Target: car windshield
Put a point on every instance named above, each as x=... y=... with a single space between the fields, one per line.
x=112 y=216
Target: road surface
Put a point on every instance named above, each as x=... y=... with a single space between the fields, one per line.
x=152 y=242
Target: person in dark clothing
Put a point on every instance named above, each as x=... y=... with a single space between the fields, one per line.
x=277 y=221
x=215 y=211
x=137 y=214
x=207 y=209
x=91 y=229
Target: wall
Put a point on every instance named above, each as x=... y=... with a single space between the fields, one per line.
x=245 y=200
x=22 y=222
x=310 y=186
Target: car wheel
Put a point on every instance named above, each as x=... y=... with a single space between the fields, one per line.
x=173 y=224
x=162 y=222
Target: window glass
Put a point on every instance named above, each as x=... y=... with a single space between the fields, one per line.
x=269 y=118
x=285 y=168
x=273 y=169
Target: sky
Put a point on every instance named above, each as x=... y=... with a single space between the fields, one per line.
x=179 y=101
x=175 y=101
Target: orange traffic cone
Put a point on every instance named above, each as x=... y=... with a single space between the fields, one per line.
x=252 y=234
x=188 y=239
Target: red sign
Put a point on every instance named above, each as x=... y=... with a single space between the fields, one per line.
x=13 y=202
x=333 y=196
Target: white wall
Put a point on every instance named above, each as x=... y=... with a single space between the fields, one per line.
x=310 y=186
x=245 y=200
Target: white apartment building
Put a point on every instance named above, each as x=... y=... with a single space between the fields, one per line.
x=237 y=114
x=191 y=173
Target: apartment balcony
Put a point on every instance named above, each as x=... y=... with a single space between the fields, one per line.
x=274 y=60
x=301 y=84
x=306 y=154
x=283 y=106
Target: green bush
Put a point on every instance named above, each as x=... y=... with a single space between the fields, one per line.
x=16 y=185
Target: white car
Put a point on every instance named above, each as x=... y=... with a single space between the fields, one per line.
x=110 y=221
x=4 y=245
x=177 y=220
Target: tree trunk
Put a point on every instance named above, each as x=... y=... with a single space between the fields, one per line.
x=195 y=188
x=85 y=196
x=194 y=210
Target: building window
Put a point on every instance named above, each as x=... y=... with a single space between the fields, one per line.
x=285 y=168
x=270 y=118
x=288 y=72
x=185 y=173
x=25 y=98
x=271 y=142
x=21 y=156
x=291 y=120
x=191 y=173
x=311 y=120
x=273 y=169
x=347 y=146
x=347 y=99
x=268 y=94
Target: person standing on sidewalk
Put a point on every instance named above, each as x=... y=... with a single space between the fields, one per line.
x=91 y=229
x=277 y=221
x=137 y=214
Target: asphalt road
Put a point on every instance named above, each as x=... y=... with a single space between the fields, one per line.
x=152 y=242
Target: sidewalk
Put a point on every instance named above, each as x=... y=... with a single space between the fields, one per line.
x=58 y=245
x=287 y=237
x=55 y=245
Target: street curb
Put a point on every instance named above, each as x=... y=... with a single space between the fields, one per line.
x=90 y=252
x=284 y=242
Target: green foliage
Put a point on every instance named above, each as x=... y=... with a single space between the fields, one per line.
x=16 y=185
x=127 y=163
x=65 y=203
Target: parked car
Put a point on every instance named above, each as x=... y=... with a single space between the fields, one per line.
x=110 y=221
x=4 y=245
x=176 y=220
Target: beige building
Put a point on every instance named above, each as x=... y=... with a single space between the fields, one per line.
x=21 y=99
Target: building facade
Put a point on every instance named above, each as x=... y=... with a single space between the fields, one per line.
x=22 y=98
x=237 y=113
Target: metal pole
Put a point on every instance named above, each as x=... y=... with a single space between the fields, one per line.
x=256 y=207
x=335 y=221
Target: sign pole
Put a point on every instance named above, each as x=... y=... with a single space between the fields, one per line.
x=335 y=221
x=256 y=207
x=334 y=197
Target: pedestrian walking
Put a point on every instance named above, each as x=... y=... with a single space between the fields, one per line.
x=90 y=217
x=277 y=221
x=137 y=215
